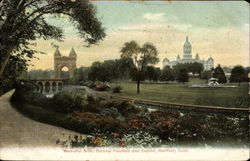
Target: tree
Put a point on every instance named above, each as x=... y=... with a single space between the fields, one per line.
x=205 y=75
x=97 y=73
x=197 y=68
x=23 y=21
x=182 y=75
x=219 y=74
x=140 y=58
x=167 y=74
x=238 y=74
x=152 y=73
x=80 y=74
x=15 y=67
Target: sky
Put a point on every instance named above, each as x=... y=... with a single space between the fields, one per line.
x=217 y=29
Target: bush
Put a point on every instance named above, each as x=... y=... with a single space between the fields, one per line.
x=69 y=101
x=116 y=89
x=141 y=139
x=33 y=98
x=112 y=112
x=90 y=84
x=82 y=83
x=90 y=122
x=26 y=93
x=6 y=85
x=160 y=114
x=101 y=86
x=26 y=86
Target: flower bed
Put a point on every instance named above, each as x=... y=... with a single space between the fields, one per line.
x=119 y=123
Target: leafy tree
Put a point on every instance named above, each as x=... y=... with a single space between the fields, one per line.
x=238 y=74
x=15 y=67
x=205 y=75
x=124 y=68
x=182 y=75
x=219 y=74
x=153 y=73
x=167 y=74
x=140 y=58
x=38 y=73
x=80 y=74
x=96 y=72
x=197 y=68
x=194 y=68
x=23 y=21
x=105 y=71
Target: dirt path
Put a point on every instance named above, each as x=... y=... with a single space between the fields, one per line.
x=19 y=131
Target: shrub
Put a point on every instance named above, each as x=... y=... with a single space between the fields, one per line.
x=101 y=86
x=69 y=101
x=90 y=84
x=112 y=112
x=82 y=83
x=127 y=109
x=33 y=98
x=26 y=86
x=6 y=84
x=117 y=89
x=141 y=139
x=26 y=93
x=160 y=114
x=89 y=122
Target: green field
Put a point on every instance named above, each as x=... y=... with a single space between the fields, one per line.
x=179 y=93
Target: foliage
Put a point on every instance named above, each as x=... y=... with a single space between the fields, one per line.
x=89 y=84
x=238 y=74
x=167 y=74
x=15 y=67
x=102 y=86
x=80 y=75
x=205 y=75
x=194 y=68
x=182 y=75
x=26 y=92
x=141 y=139
x=35 y=74
x=115 y=123
x=152 y=73
x=140 y=58
x=117 y=89
x=112 y=112
x=24 y=21
x=69 y=101
x=219 y=74
x=90 y=122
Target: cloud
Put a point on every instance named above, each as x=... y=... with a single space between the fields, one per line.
x=155 y=16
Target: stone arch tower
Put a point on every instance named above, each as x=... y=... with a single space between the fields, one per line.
x=64 y=61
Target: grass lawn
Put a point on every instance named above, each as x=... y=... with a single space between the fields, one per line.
x=179 y=93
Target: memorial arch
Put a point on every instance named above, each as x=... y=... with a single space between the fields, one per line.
x=64 y=61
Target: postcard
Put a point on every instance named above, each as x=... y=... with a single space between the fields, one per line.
x=124 y=80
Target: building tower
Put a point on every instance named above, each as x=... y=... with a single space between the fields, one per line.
x=187 y=50
x=64 y=61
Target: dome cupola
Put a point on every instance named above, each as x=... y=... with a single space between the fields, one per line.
x=187 y=49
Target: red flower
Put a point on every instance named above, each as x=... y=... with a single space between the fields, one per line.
x=122 y=143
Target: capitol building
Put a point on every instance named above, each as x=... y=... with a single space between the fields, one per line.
x=187 y=58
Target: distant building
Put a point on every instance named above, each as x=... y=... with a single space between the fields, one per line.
x=64 y=61
x=187 y=58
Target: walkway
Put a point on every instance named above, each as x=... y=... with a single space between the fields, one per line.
x=19 y=131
